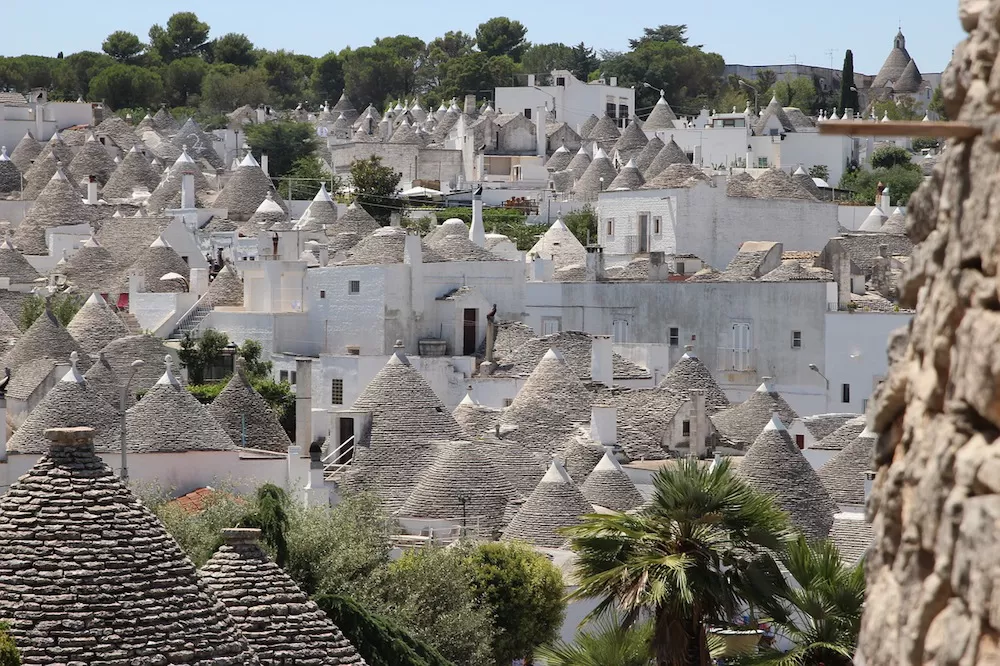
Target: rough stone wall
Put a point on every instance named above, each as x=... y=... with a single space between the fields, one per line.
x=936 y=499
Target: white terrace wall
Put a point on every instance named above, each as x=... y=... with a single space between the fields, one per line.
x=412 y=161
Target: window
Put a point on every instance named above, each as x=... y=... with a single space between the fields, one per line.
x=527 y=114
x=796 y=339
x=680 y=268
x=337 y=391
x=675 y=336
x=184 y=259
x=322 y=293
x=623 y=111
x=551 y=325
x=657 y=223
x=507 y=402
x=609 y=109
x=761 y=162
x=685 y=429
x=287 y=376
x=740 y=360
x=800 y=441
x=610 y=226
x=845 y=393
x=560 y=80
x=354 y=287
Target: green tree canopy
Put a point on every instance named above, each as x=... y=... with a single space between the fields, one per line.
x=375 y=186
x=328 y=78
x=225 y=88
x=501 y=36
x=127 y=86
x=661 y=33
x=184 y=36
x=284 y=141
x=233 y=48
x=372 y=75
x=937 y=104
x=124 y=47
x=287 y=76
x=523 y=592
x=183 y=78
x=798 y=92
x=583 y=61
x=606 y=643
x=543 y=58
x=887 y=157
x=80 y=68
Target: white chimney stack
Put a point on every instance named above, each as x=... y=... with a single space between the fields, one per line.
x=187 y=190
x=603 y=425
x=263 y=163
x=3 y=429
x=869 y=482
x=540 y=113
x=885 y=199
x=92 y=191
x=698 y=423
x=303 y=405
x=477 y=234
x=601 y=367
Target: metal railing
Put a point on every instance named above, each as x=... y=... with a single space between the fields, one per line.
x=461 y=527
x=634 y=244
x=331 y=464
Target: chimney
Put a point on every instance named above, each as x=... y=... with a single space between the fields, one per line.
x=477 y=234
x=595 y=261
x=263 y=163
x=603 y=425
x=659 y=269
x=540 y=137
x=842 y=275
x=470 y=104
x=869 y=482
x=698 y=423
x=92 y=190
x=316 y=492
x=531 y=80
x=885 y=200
x=613 y=81
x=324 y=254
x=64 y=438
x=601 y=367
x=240 y=536
x=542 y=270
x=187 y=190
x=303 y=405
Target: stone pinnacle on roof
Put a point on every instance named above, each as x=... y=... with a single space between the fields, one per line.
x=546 y=409
x=124 y=564
x=554 y=504
x=462 y=481
x=25 y=152
x=95 y=325
x=773 y=110
x=279 y=621
x=743 y=422
x=475 y=419
x=876 y=218
x=662 y=117
x=164 y=122
x=774 y=465
x=247 y=417
x=609 y=486
x=169 y=419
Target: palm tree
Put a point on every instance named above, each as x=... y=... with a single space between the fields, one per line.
x=608 y=643
x=822 y=615
x=699 y=554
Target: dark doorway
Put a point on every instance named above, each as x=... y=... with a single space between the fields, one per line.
x=469 y=337
x=346 y=433
x=643 y=233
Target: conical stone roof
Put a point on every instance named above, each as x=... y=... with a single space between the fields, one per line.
x=200 y=145
x=386 y=245
x=133 y=171
x=56 y=147
x=630 y=143
x=164 y=122
x=155 y=262
x=323 y=209
x=648 y=154
x=776 y=184
x=671 y=153
x=92 y=160
x=775 y=466
x=662 y=117
x=281 y=624
x=628 y=178
x=168 y=419
x=462 y=481
x=240 y=410
x=168 y=193
x=690 y=373
x=559 y=243
x=9 y=333
x=773 y=109
x=246 y=190
x=94 y=326
x=842 y=436
x=677 y=176
x=103 y=380
x=876 y=218
x=476 y=420
x=604 y=131
x=843 y=475
x=72 y=402
x=25 y=152
x=345 y=107
x=270 y=216
x=354 y=220
x=609 y=486
x=91 y=269
x=523 y=468
x=578 y=165
x=226 y=289
x=406 y=417
x=909 y=81
x=45 y=340
x=554 y=504
x=580 y=456
x=742 y=423
x=39 y=175
x=119 y=131
x=108 y=583
x=896 y=224
x=588 y=126
x=740 y=185
x=10 y=175
x=590 y=184
x=58 y=204
x=120 y=353
x=549 y=405
x=560 y=159
x=895 y=63
x=15 y=267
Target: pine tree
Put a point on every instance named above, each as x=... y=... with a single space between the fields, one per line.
x=848 y=97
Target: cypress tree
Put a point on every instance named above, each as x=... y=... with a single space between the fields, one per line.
x=848 y=97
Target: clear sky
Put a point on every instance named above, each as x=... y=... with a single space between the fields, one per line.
x=755 y=32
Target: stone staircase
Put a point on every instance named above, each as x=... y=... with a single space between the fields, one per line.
x=190 y=323
x=131 y=323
